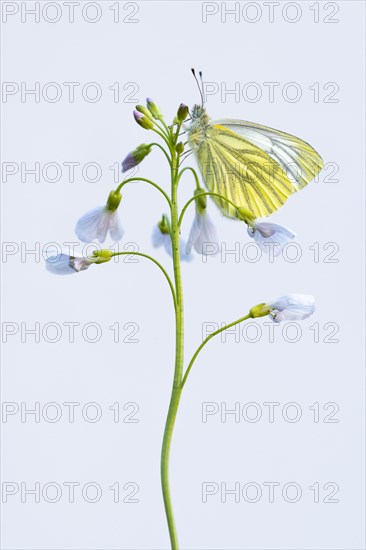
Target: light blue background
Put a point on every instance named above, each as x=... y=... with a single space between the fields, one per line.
x=156 y=53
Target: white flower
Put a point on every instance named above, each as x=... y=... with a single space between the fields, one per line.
x=160 y=238
x=96 y=223
x=62 y=264
x=202 y=232
x=292 y=307
x=271 y=233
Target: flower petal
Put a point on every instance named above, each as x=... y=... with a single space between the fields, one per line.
x=87 y=226
x=59 y=265
x=194 y=233
x=266 y=234
x=184 y=255
x=167 y=243
x=292 y=307
x=267 y=229
x=115 y=227
x=103 y=226
x=207 y=235
x=80 y=264
x=157 y=237
x=202 y=232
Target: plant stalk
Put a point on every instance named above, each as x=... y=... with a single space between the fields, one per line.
x=179 y=356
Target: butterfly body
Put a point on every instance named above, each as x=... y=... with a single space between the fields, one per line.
x=254 y=166
x=197 y=131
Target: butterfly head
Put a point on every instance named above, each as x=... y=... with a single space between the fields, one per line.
x=199 y=118
x=199 y=114
x=198 y=126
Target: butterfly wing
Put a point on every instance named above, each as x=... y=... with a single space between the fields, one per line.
x=241 y=171
x=297 y=158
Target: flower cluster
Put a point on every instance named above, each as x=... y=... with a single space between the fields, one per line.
x=97 y=223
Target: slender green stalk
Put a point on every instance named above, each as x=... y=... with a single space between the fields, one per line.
x=207 y=340
x=162 y=149
x=165 y=136
x=203 y=194
x=179 y=356
x=123 y=183
x=170 y=137
x=193 y=172
x=156 y=263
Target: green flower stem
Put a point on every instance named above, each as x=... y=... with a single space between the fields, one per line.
x=147 y=181
x=154 y=144
x=179 y=356
x=206 y=193
x=156 y=263
x=162 y=134
x=170 y=137
x=207 y=340
x=179 y=125
x=166 y=127
x=194 y=174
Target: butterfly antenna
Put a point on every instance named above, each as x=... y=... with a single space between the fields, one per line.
x=198 y=84
x=202 y=87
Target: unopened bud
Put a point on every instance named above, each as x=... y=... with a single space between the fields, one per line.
x=154 y=109
x=179 y=148
x=142 y=109
x=164 y=224
x=135 y=157
x=182 y=112
x=143 y=121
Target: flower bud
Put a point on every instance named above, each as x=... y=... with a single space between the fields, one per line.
x=154 y=109
x=142 y=109
x=179 y=148
x=135 y=157
x=164 y=225
x=260 y=310
x=182 y=112
x=113 y=200
x=143 y=121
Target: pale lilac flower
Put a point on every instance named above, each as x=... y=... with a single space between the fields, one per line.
x=96 y=223
x=292 y=307
x=202 y=232
x=270 y=236
x=63 y=264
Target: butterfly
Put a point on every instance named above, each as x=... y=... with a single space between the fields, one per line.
x=255 y=167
